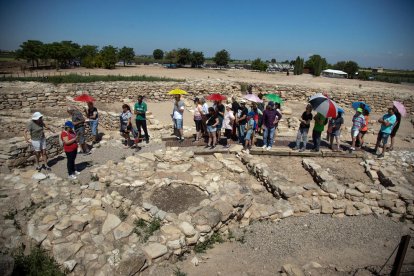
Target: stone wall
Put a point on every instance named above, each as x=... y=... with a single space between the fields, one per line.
x=15 y=95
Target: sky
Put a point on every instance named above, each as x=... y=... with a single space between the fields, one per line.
x=371 y=32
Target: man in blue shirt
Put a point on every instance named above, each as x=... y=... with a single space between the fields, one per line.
x=387 y=123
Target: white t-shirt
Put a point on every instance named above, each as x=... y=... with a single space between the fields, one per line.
x=205 y=108
x=176 y=114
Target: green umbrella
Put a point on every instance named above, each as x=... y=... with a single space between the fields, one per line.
x=274 y=98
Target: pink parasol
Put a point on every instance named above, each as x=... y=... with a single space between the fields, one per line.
x=253 y=98
x=400 y=107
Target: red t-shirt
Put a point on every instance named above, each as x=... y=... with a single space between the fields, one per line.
x=70 y=135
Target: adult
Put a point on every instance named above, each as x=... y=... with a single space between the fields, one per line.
x=220 y=110
x=70 y=147
x=79 y=125
x=140 y=109
x=261 y=107
x=360 y=140
x=241 y=121
x=126 y=124
x=212 y=122
x=304 y=126
x=198 y=119
x=396 y=126
x=336 y=127
x=235 y=108
x=358 y=121
x=271 y=118
x=177 y=116
x=250 y=126
x=204 y=115
x=228 y=123
x=387 y=123
x=92 y=114
x=320 y=122
x=37 y=139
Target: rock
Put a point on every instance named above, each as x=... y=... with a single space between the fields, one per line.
x=131 y=265
x=362 y=187
x=64 y=223
x=39 y=176
x=78 y=222
x=225 y=208
x=148 y=155
x=187 y=229
x=292 y=270
x=64 y=251
x=195 y=261
x=327 y=206
x=110 y=223
x=353 y=192
x=69 y=265
x=35 y=233
x=207 y=215
x=171 y=232
x=350 y=210
x=154 y=250
x=329 y=187
x=388 y=195
x=123 y=230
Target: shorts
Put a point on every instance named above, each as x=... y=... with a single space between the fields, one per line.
x=39 y=145
x=394 y=131
x=220 y=124
x=382 y=136
x=336 y=133
x=199 y=125
x=249 y=134
x=94 y=127
x=211 y=129
x=178 y=123
x=363 y=132
x=354 y=132
x=80 y=133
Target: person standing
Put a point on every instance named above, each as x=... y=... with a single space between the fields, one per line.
x=336 y=127
x=204 y=115
x=178 y=116
x=228 y=124
x=92 y=115
x=387 y=123
x=79 y=124
x=241 y=121
x=360 y=139
x=358 y=122
x=235 y=108
x=396 y=126
x=304 y=126
x=212 y=122
x=320 y=122
x=220 y=110
x=250 y=126
x=198 y=120
x=270 y=118
x=140 y=109
x=70 y=147
x=126 y=124
x=37 y=139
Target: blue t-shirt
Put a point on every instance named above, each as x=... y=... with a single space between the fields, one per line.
x=390 y=119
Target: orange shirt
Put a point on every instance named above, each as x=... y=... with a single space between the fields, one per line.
x=365 y=127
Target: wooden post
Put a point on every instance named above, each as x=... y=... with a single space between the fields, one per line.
x=399 y=258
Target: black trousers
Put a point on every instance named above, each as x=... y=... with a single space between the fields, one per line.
x=71 y=156
x=143 y=124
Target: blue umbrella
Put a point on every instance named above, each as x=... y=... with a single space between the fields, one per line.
x=356 y=105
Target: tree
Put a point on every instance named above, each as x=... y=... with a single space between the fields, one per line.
x=108 y=54
x=258 y=64
x=273 y=60
x=158 y=54
x=340 y=65
x=316 y=64
x=197 y=59
x=183 y=56
x=126 y=54
x=171 y=56
x=222 y=58
x=351 y=67
x=31 y=51
x=297 y=68
x=88 y=55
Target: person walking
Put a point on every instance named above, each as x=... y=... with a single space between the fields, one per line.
x=241 y=121
x=79 y=125
x=320 y=122
x=198 y=120
x=140 y=109
x=395 y=127
x=70 y=147
x=178 y=117
x=304 y=126
x=358 y=122
x=36 y=128
x=270 y=117
x=387 y=123
x=212 y=122
x=228 y=123
x=92 y=114
x=336 y=127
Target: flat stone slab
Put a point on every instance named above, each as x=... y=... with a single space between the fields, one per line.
x=154 y=250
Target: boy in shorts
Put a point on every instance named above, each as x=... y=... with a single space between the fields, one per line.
x=387 y=123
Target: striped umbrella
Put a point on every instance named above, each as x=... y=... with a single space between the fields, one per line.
x=324 y=105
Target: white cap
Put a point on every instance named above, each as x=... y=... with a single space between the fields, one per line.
x=242 y=101
x=37 y=116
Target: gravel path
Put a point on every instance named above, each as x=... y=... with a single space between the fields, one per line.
x=347 y=244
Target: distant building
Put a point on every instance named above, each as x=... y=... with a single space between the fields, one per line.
x=378 y=70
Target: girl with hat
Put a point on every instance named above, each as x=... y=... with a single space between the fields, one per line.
x=36 y=128
x=358 y=121
x=70 y=146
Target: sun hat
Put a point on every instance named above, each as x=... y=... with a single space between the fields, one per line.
x=69 y=124
x=271 y=103
x=37 y=116
x=242 y=101
x=359 y=110
x=228 y=105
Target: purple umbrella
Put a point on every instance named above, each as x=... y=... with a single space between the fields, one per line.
x=253 y=98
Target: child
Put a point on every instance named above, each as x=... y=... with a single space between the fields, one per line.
x=336 y=127
x=250 y=127
x=358 y=121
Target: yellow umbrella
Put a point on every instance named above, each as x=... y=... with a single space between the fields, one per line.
x=177 y=92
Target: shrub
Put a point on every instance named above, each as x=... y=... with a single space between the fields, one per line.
x=38 y=262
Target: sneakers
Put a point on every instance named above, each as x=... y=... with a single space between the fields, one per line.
x=269 y=148
x=38 y=168
x=46 y=167
x=351 y=148
x=72 y=177
x=264 y=147
x=381 y=155
x=314 y=150
x=212 y=147
x=295 y=148
x=302 y=150
x=77 y=173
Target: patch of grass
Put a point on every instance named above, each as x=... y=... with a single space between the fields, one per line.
x=10 y=215
x=209 y=243
x=38 y=262
x=177 y=272
x=94 y=178
x=74 y=78
x=145 y=229
x=122 y=214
